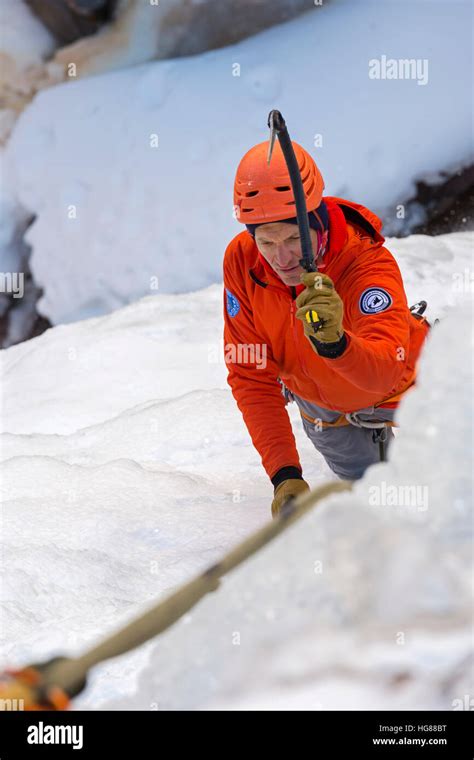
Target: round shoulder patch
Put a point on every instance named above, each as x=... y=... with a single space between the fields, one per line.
x=233 y=306
x=374 y=300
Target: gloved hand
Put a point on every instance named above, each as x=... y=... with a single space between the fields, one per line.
x=286 y=489
x=320 y=296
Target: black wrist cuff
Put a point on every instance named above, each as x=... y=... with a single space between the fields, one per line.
x=284 y=473
x=330 y=350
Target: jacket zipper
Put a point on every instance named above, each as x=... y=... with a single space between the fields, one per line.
x=295 y=333
x=301 y=361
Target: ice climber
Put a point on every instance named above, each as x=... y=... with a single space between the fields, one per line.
x=348 y=378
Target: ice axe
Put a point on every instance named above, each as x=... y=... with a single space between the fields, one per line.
x=279 y=129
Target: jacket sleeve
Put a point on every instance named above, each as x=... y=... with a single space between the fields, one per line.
x=376 y=323
x=253 y=377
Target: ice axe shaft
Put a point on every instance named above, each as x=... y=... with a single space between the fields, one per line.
x=279 y=129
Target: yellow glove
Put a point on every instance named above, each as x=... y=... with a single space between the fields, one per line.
x=284 y=491
x=321 y=297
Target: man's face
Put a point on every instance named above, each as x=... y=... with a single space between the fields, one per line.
x=279 y=243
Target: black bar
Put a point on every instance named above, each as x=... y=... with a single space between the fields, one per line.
x=325 y=734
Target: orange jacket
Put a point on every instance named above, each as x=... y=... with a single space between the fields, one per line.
x=259 y=315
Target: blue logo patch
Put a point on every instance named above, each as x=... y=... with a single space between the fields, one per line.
x=374 y=300
x=233 y=306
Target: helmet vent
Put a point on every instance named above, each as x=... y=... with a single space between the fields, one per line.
x=283 y=188
x=251 y=193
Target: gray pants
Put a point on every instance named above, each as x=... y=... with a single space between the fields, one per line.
x=348 y=450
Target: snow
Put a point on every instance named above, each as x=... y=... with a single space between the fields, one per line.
x=127 y=470
x=129 y=218
x=24 y=39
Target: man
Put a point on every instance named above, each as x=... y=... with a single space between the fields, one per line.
x=348 y=377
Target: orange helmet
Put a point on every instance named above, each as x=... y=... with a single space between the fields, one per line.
x=262 y=192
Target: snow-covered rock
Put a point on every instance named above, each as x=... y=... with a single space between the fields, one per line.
x=24 y=45
x=24 y=40
x=130 y=174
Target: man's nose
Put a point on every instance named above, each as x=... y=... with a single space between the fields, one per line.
x=284 y=254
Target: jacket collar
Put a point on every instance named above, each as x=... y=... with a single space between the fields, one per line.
x=265 y=275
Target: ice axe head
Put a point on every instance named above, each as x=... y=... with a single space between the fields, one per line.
x=276 y=124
